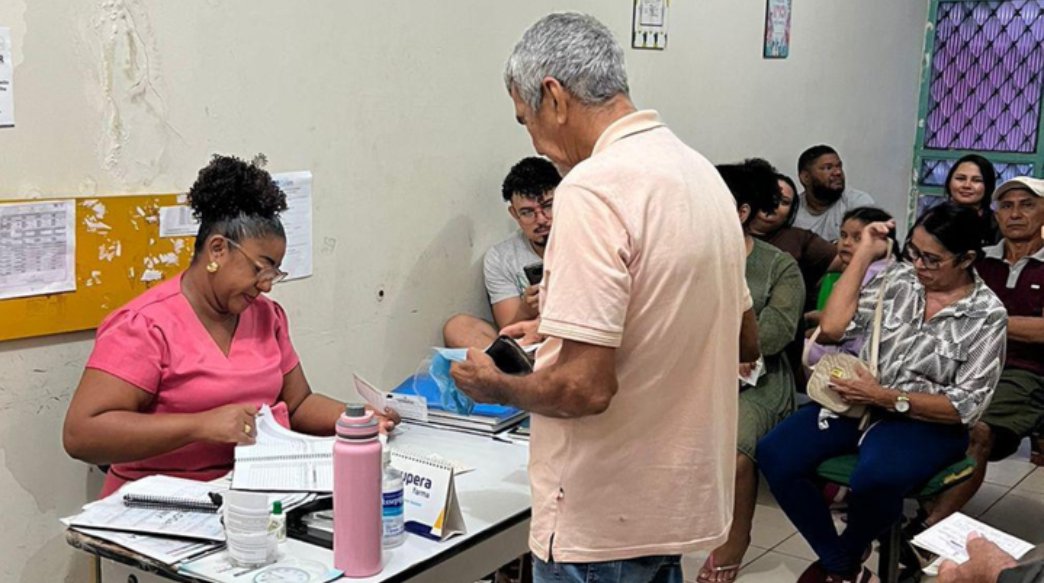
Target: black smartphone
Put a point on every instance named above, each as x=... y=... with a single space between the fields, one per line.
x=534 y=272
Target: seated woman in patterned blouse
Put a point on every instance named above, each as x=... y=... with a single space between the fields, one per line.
x=942 y=345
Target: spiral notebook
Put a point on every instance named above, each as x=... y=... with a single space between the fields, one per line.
x=281 y=460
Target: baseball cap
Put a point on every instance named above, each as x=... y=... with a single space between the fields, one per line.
x=1034 y=185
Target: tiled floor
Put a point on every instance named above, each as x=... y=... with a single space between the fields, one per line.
x=1011 y=499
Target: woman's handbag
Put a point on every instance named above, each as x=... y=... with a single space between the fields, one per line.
x=840 y=365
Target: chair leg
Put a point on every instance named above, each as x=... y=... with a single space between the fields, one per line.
x=888 y=564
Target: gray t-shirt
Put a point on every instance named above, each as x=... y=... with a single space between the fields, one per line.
x=503 y=265
x=828 y=224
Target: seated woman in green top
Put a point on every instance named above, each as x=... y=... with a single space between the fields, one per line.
x=778 y=292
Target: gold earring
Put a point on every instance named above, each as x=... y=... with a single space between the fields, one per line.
x=212 y=267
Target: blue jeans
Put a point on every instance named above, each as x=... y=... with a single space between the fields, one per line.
x=655 y=569
x=896 y=456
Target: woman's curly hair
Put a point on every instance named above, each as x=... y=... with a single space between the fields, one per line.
x=236 y=199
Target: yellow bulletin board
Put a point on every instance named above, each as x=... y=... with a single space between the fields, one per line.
x=119 y=255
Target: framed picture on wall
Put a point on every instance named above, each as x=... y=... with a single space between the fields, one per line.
x=777 y=29
x=649 y=30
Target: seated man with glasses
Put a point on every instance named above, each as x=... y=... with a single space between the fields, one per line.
x=1014 y=270
x=529 y=190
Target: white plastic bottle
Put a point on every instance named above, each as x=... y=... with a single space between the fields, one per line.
x=392 y=510
x=277 y=521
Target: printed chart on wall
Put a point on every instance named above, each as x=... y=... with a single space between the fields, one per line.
x=64 y=265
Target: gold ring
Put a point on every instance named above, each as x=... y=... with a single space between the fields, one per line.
x=246 y=428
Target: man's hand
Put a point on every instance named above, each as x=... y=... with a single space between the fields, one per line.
x=984 y=565
x=525 y=333
x=477 y=376
x=862 y=390
x=531 y=297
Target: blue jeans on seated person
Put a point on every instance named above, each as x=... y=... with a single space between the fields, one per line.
x=897 y=455
x=655 y=569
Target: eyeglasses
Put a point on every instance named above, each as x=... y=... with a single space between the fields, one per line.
x=930 y=261
x=264 y=273
x=528 y=215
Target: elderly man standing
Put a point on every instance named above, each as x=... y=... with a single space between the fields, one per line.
x=634 y=395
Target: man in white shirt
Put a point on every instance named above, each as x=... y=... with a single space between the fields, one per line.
x=826 y=198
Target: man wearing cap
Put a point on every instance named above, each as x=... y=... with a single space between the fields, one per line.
x=1014 y=270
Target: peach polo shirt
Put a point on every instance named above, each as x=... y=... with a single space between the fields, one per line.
x=646 y=256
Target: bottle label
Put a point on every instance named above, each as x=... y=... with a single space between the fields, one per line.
x=392 y=515
x=392 y=504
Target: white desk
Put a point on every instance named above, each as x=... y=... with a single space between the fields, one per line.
x=494 y=500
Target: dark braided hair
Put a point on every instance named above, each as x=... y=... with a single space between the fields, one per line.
x=237 y=200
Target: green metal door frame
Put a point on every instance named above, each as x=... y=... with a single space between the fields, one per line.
x=920 y=153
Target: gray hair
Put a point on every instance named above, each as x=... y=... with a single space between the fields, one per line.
x=577 y=50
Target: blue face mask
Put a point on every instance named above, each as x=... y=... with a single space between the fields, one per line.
x=450 y=396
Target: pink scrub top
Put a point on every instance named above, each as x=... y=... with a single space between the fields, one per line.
x=158 y=344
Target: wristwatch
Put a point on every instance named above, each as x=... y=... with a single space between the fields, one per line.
x=902 y=403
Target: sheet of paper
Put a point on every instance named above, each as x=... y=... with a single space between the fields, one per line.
x=37 y=248
x=948 y=538
x=6 y=79
x=407 y=406
x=165 y=550
x=297 y=221
x=177 y=221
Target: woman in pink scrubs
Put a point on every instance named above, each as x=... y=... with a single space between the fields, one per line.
x=178 y=374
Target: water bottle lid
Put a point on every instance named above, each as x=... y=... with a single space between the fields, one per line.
x=277 y=507
x=357 y=423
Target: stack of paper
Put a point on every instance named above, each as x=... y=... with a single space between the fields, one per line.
x=281 y=460
x=948 y=538
x=167 y=535
x=484 y=419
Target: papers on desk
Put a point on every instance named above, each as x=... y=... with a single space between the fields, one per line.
x=168 y=551
x=112 y=514
x=948 y=538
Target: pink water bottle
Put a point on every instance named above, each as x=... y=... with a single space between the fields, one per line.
x=357 y=494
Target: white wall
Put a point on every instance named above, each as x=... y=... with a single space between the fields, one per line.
x=398 y=109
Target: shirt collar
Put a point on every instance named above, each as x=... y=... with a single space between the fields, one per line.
x=628 y=125
x=997 y=252
x=970 y=305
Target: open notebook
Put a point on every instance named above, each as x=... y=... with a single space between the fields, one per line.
x=281 y=460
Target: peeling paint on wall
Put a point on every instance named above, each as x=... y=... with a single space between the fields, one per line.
x=123 y=52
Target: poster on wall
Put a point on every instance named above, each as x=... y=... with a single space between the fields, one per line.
x=650 y=24
x=6 y=79
x=777 y=29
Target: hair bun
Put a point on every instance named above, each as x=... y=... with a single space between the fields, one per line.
x=229 y=187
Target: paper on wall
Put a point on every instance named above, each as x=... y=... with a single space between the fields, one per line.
x=297 y=222
x=177 y=221
x=37 y=248
x=6 y=79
